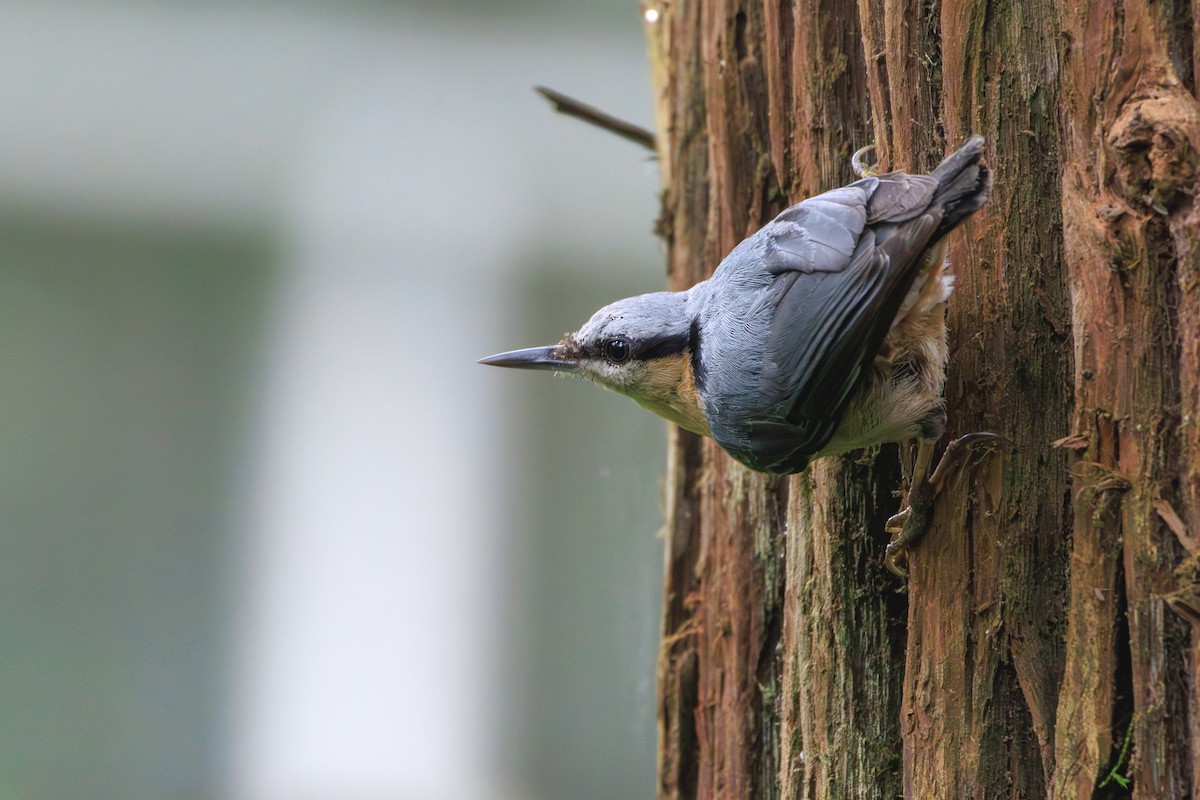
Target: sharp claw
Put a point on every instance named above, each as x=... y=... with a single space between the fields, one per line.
x=856 y=162
x=909 y=525
x=890 y=556
x=956 y=451
x=915 y=521
x=895 y=523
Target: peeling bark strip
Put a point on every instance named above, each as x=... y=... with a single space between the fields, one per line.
x=1035 y=653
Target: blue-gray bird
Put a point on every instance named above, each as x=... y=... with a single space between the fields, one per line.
x=822 y=332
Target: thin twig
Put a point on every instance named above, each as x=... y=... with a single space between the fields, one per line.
x=573 y=108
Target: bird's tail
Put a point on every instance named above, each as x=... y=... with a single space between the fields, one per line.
x=963 y=185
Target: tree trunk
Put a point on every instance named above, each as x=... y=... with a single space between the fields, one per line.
x=1035 y=650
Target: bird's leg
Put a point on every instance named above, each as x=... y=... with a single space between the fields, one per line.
x=909 y=525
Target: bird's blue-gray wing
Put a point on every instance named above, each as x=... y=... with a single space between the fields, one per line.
x=839 y=266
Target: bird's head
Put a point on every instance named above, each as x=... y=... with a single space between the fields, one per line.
x=639 y=346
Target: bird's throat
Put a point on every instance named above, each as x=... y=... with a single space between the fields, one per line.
x=671 y=393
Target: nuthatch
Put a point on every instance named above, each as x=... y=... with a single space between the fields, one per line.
x=823 y=332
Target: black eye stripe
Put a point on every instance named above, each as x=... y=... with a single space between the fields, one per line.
x=667 y=344
x=697 y=362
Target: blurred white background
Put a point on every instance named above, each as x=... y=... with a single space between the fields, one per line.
x=268 y=532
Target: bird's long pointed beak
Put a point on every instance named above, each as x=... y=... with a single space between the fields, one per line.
x=549 y=357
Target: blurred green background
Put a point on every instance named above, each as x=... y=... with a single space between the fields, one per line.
x=267 y=530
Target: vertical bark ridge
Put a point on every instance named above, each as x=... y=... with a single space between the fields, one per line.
x=1132 y=134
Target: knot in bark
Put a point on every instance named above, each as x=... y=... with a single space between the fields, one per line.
x=1154 y=142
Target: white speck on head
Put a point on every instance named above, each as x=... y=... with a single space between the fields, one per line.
x=651 y=15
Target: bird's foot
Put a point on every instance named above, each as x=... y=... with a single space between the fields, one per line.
x=861 y=169
x=909 y=525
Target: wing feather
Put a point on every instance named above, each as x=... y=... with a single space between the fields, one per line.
x=797 y=313
x=839 y=283
x=823 y=334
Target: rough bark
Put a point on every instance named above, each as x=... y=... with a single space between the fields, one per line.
x=1130 y=224
x=1035 y=651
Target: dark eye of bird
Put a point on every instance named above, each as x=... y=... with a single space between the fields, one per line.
x=617 y=350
